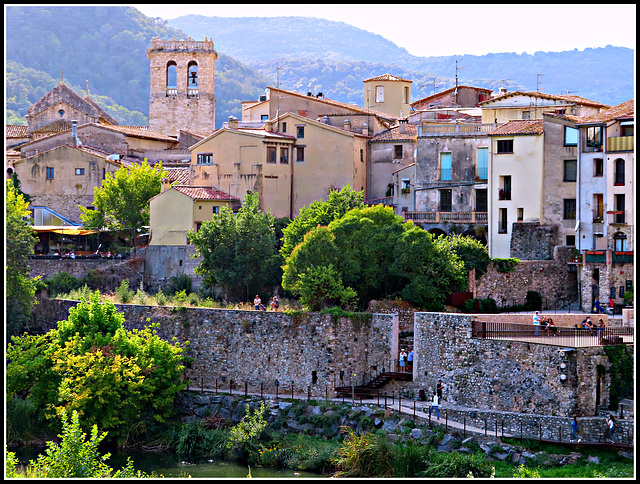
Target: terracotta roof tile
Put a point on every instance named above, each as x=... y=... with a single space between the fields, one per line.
x=387 y=77
x=519 y=127
x=203 y=193
x=451 y=89
x=394 y=134
x=57 y=126
x=179 y=176
x=17 y=130
x=624 y=110
x=138 y=131
x=542 y=95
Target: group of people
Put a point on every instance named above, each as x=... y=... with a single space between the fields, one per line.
x=548 y=323
x=257 y=303
x=611 y=425
x=406 y=360
x=591 y=328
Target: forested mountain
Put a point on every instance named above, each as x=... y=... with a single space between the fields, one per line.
x=307 y=49
x=106 y=45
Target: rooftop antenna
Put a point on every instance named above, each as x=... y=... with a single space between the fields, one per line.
x=538 y=83
x=87 y=81
x=278 y=103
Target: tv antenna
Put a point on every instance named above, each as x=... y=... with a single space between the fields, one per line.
x=539 y=82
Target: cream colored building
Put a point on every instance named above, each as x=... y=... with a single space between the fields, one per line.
x=515 y=181
x=389 y=94
x=519 y=105
x=288 y=169
x=179 y=209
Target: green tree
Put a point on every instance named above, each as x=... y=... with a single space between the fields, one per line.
x=472 y=253
x=91 y=364
x=20 y=239
x=320 y=212
x=239 y=251
x=122 y=202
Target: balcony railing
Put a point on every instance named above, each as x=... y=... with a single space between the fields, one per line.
x=595 y=256
x=455 y=129
x=617 y=217
x=172 y=92
x=625 y=257
x=559 y=336
x=450 y=217
x=380 y=201
x=620 y=143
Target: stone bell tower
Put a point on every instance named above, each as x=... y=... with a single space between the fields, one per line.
x=182 y=86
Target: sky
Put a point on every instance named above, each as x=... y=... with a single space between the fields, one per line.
x=453 y=29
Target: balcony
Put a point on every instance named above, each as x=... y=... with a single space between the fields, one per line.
x=622 y=257
x=597 y=256
x=380 y=201
x=455 y=129
x=449 y=217
x=620 y=143
x=172 y=92
x=617 y=217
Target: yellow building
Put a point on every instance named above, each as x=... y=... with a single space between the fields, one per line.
x=301 y=163
x=519 y=105
x=515 y=179
x=389 y=94
x=176 y=211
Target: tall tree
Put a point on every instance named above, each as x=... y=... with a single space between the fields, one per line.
x=122 y=202
x=20 y=239
x=239 y=251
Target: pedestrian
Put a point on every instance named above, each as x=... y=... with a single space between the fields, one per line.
x=574 y=430
x=257 y=302
x=536 y=322
x=439 y=388
x=611 y=423
x=402 y=358
x=274 y=303
x=410 y=360
x=434 y=405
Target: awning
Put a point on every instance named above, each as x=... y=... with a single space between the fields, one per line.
x=58 y=229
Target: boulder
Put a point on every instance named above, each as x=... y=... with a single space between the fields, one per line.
x=201 y=400
x=416 y=434
x=390 y=425
x=285 y=405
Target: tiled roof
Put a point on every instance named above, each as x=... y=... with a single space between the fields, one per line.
x=624 y=110
x=519 y=127
x=446 y=91
x=350 y=107
x=394 y=134
x=203 y=193
x=387 y=77
x=56 y=127
x=179 y=176
x=138 y=132
x=553 y=97
x=193 y=132
x=17 y=130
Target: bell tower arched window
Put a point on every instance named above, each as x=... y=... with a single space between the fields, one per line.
x=172 y=78
x=192 y=77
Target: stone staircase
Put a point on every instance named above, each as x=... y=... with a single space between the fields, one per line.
x=371 y=388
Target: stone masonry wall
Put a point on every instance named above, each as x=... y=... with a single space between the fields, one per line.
x=503 y=375
x=260 y=346
x=550 y=278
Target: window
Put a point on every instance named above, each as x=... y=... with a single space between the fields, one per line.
x=570 y=170
x=284 y=155
x=445 y=200
x=215 y=209
x=61 y=112
x=204 y=158
x=406 y=185
x=569 y=212
x=502 y=221
x=594 y=136
x=626 y=128
x=362 y=156
x=192 y=75
x=264 y=117
x=271 y=154
x=520 y=214
x=570 y=136
x=505 y=146
x=598 y=167
x=284 y=127
x=620 y=242
x=619 y=217
x=397 y=151
x=300 y=131
x=445 y=166
x=79 y=171
x=50 y=173
x=504 y=192
x=299 y=153
x=526 y=114
x=619 y=172
x=379 y=94
x=598 y=207
x=483 y=163
x=481 y=200
x=570 y=240
x=406 y=95
x=198 y=225
x=172 y=78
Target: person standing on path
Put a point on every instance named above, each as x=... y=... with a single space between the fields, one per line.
x=434 y=405
x=439 y=389
x=574 y=430
x=536 y=322
x=410 y=360
x=403 y=357
x=611 y=424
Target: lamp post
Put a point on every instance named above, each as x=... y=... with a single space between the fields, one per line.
x=277 y=383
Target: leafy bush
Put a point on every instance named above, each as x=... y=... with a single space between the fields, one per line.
x=487 y=305
x=365 y=455
x=505 y=265
x=61 y=283
x=123 y=293
x=533 y=301
x=243 y=438
x=455 y=464
x=161 y=299
x=194 y=442
x=180 y=282
x=410 y=459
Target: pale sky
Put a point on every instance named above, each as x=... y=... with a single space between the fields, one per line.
x=453 y=29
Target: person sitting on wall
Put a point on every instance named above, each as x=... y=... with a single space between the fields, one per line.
x=551 y=328
x=588 y=326
x=601 y=327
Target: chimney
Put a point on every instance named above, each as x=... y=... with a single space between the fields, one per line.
x=347 y=125
x=74 y=132
x=365 y=129
x=268 y=125
x=309 y=93
x=233 y=122
x=319 y=95
x=325 y=119
x=503 y=90
x=402 y=126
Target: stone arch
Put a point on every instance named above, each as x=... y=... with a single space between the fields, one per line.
x=172 y=75
x=436 y=232
x=192 y=75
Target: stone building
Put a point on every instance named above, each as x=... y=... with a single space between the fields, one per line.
x=182 y=94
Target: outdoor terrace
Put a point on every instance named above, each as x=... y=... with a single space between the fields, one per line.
x=449 y=217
